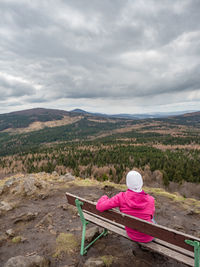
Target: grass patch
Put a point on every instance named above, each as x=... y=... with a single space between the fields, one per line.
x=186 y=203
x=65 y=243
x=107 y=260
x=85 y=182
x=93 y=182
x=17 y=239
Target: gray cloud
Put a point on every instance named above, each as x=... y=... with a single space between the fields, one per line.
x=99 y=52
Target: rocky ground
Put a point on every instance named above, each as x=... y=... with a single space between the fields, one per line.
x=38 y=227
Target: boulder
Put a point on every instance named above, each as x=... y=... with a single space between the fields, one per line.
x=91 y=233
x=67 y=177
x=29 y=261
x=29 y=186
x=5 y=206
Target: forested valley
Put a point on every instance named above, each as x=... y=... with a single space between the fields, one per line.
x=106 y=150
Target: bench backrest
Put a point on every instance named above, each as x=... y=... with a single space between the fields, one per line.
x=169 y=235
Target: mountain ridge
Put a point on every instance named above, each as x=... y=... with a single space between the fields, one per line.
x=39 y=118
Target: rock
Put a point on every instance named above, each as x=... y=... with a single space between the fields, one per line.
x=41 y=173
x=10 y=232
x=30 y=261
x=64 y=206
x=178 y=227
x=1 y=190
x=5 y=206
x=43 y=196
x=29 y=186
x=54 y=173
x=191 y=212
x=25 y=217
x=10 y=182
x=91 y=233
x=94 y=262
x=17 y=190
x=46 y=221
x=53 y=232
x=67 y=177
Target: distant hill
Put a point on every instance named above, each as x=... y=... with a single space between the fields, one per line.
x=189 y=119
x=23 y=118
x=135 y=116
x=38 y=118
x=77 y=110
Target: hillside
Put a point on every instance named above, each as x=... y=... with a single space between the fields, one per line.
x=39 y=118
x=35 y=119
x=189 y=119
x=37 y=223
x=103 y=148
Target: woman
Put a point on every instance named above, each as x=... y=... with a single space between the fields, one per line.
x=133 y=202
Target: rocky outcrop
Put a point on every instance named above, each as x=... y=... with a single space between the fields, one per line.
x=24 y=186
x=33 y=184
x=30 y=261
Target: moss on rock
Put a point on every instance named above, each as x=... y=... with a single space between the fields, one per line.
x=17 y=239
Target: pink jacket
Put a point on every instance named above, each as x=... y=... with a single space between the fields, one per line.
x=140 y=205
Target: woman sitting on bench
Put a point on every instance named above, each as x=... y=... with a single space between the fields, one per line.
x=133 y=202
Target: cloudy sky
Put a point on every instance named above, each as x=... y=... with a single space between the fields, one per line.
x=111 y=56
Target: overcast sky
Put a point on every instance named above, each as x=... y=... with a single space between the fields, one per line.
x=111 y=56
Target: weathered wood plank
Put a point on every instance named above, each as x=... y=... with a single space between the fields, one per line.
x=153 y=246
x=175 y=248
x=170 y=253
x=171 y=236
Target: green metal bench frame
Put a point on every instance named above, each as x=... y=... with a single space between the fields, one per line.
x=84 y=224
x=196 y=246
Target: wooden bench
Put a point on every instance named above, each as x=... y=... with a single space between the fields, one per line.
x=168 y=242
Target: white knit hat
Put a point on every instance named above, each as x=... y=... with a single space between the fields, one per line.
x=134 y=181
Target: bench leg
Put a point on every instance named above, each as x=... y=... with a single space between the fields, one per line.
x=196 y=246
x=102 y=234
x=84 y=224
x=82 y=252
